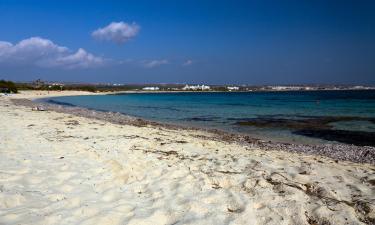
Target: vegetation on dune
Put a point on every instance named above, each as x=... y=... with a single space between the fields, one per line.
x=41 y=85
x=48 y=87
x=7 y=87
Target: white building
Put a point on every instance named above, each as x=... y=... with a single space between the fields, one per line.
x=285 y=88
x=151 y=88
x=196 y=87
x=233 y=88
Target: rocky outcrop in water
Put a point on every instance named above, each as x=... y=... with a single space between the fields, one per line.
x=318 y=127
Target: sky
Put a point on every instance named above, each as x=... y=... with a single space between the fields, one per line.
x=197 y=41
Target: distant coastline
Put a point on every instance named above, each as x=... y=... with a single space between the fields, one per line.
x=154 y=88
x=213 y=91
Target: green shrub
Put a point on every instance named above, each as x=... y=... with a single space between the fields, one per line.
x=7 y=87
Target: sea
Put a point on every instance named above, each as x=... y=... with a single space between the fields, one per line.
x=302 y=117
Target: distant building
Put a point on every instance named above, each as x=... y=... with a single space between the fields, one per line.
x=233 y=88
x=196 y=88
x=151 y=88
x=285 y=88
x=38 y=83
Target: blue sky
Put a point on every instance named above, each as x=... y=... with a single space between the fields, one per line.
x=213 y=42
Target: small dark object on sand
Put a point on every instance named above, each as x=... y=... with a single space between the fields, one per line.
x=72 y=122
x=38 y=108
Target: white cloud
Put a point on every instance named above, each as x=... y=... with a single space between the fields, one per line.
x=4 y=46
x=187 y=62
x=118 y=32
x=80 y=59
x=42 y=52
x=155 y=63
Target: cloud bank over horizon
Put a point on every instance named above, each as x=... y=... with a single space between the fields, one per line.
x=155 y=63
x=188 y=62
x=117 y=32
x=40 y=52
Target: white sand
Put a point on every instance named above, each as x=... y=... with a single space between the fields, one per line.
x=61 y=169
x=44 y=94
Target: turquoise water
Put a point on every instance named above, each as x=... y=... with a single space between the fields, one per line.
x=225 y=110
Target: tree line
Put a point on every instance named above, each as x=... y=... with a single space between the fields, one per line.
x=7 y=87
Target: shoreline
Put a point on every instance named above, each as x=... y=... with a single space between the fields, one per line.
x=345 y=152
x=78 y=166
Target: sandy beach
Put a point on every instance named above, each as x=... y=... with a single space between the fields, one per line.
x=59 y=168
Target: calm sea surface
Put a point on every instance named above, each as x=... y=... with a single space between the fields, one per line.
x=278 y=116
